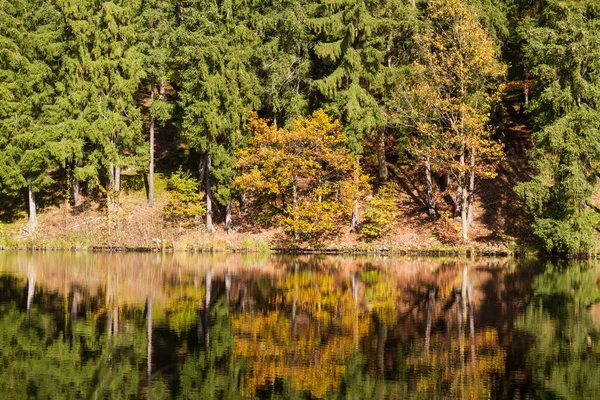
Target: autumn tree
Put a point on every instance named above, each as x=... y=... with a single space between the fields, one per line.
x=305 y=172
x=451 y=97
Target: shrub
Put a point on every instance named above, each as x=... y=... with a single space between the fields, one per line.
x=185 y=206
x=381 y=212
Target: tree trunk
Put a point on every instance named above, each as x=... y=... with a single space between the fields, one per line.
x=151 y=166
x=75 y=191
x=209 y=209
x=355 y=222
x=243 y=202
x=463 y=189
x=471 y=190
x=228 y=219
x=32 y=223
x=117 y=179
x=458 y=204
x=111 y=175
x=202 y=169
x=381 y=160
x=430 y=198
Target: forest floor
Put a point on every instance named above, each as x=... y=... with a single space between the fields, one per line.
x=500 y=225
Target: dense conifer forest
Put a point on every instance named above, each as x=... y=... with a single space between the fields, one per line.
x=316 y=119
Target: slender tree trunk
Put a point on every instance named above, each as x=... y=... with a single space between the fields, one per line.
x=111 y=175
x=463 y=189
x=202 y=169
x=151 y=166
x=430 y=198
x=243 y=202
x=381 y=159
x=471 y=197
x=209 y=198
x=75 y=191
x=355 y=222
x=117 y=179
x=228 y=219
x=32 y=223
x=458 y=204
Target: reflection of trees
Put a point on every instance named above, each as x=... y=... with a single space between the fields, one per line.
x=565 y=357
x=38 y=360
x=165 y=327
x=306 y=339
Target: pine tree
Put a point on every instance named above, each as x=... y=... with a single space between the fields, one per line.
x=562 y=53
x=218 y=89
x=28 y=59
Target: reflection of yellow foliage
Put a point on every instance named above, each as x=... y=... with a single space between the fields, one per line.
x=451 y=364
x=312 y=349
x=312 y=357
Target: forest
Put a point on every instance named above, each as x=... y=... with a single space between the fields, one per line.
x=475 y=121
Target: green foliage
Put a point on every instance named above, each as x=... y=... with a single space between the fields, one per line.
x=185 y=207
x=562 y=51
x=381 y=213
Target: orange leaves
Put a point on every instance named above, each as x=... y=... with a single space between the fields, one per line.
x=305 y=171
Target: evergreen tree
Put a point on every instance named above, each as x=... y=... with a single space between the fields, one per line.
x=157 y=24
x=102 y=72
x=350 y=53
x=218 y=89
x=562 y=53
x=28 y=60
x=283 y=58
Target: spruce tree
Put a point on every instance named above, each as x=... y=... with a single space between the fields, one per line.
x=562 y=53
x=28 y=59
x=218 y=89
x=350 y=50
x=157 y=24
x=102 y=69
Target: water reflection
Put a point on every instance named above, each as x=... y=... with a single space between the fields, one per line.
x=183 y=326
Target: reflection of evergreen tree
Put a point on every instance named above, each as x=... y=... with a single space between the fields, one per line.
x=213 y=373
x=564 y=360
x=37 y=360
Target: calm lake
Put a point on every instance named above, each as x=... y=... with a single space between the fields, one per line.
x=85 y=325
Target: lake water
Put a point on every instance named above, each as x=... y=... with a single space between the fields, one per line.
x=85 y=325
